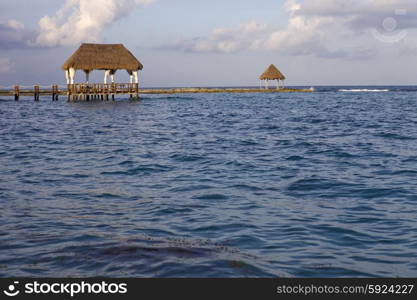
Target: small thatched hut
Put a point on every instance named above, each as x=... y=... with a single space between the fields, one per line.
x=106 y=57
x=272 y=73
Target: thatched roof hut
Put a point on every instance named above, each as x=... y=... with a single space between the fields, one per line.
x=107 y=57
x=272 y=73
x=102 y=57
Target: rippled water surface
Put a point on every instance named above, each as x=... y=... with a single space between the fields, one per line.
x=210 y=185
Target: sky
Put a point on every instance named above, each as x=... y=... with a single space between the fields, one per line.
x=217 y=42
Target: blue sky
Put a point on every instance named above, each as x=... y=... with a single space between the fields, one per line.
x=216 y=43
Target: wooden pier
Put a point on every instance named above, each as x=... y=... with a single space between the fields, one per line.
x=105 y=92
x=76 y=92
x=99 y=91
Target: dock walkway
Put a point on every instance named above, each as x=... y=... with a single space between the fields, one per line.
x=94 y=91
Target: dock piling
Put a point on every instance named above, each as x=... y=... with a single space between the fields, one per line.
x=36 y=92
x=16 y=92
x=137 y=90
x=113 y=90
x=55 y=92
x=69 y=89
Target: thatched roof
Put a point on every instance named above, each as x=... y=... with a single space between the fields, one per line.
x=272 y=73
x=102 y=57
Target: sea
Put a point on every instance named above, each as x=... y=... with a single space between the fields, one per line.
x=320 y=184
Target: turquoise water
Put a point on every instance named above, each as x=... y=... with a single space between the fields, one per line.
x=211 y=185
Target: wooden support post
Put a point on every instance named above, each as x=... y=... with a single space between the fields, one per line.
x=55 y=92
x=36 y=92
x=69 y=87
x=16 y=92
x=114 y=90
x=93 y=92
x=137 y=90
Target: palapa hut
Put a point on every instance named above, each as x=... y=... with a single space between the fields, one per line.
x=272 y=73
x=106 y=57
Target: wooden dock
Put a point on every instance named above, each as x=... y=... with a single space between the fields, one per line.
x=100 y=91
x=76 y=92
x=105 y=92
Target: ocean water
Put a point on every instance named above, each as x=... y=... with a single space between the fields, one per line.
x=211 y=185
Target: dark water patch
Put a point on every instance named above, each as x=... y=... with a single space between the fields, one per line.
x=141 y=251
x=395 y=136
x=401 y=173
x=295 y=158
x=176 y=210
x=141 y=257
x=375 y=193
x=271 y=127
x=141 y=170
x=77 y=175
x=190 y=188
x=212 y=197
x=410 y=159
x=187 y=157
x=317 y=184
x=318 y=121
x=246 y=187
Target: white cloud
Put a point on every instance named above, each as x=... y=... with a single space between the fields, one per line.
x=362 y=14
x=226 y=40
x=13 y=34
x=324 y=35
x=14 y=24
x=6 y=65
x=343 y=29
x=83 y=21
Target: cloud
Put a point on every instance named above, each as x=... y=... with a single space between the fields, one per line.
x=14 y=35
x=225 y=40
x=6 y=65
x=333 y=29
x=362 y=14
x=83 y=21
x=77 y=21
x=322 y=35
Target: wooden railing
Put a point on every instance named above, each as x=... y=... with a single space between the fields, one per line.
x=101 y=88
x=85 y=91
